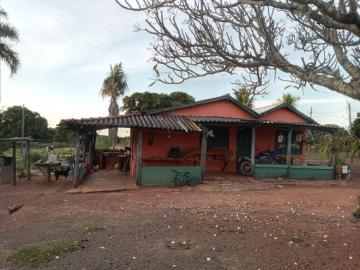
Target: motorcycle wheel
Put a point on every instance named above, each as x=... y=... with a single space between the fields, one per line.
x=245 y=168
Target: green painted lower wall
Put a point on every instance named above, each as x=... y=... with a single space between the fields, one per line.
x=270 y=171
x=164 y=175
x=295 y=172
x=311 y=172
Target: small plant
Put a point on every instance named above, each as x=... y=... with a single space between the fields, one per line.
x=236 y=230
x=41 y=253
x=36 y=155
x=182 y=178
x=93 y=229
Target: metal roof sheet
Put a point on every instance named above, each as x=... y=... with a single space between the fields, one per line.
x=170 y=122
x=259 y=122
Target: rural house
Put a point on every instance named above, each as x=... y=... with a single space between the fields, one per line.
x=204 y=137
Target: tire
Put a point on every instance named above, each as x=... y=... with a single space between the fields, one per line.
x=245 y=168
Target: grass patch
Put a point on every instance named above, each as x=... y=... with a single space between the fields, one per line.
x=94 y=229
x=296 y=240
x=236 y=230
x=36 y=254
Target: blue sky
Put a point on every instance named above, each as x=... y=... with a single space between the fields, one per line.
x=66 y=48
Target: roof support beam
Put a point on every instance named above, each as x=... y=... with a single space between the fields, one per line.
x=14 y=163
x=253 y=145
x=203 y=150
x=77 y=157
x=138 y=156
x=288 y=151
x=27 y=160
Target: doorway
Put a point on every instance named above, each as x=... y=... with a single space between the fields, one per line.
x=243 y=147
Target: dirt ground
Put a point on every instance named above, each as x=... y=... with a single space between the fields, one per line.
x=285 y=225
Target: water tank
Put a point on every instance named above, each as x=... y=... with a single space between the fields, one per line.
x=5 y=170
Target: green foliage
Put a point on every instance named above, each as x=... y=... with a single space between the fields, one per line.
x=356 y=127
x=347 y=146
x=37 y=155
x=244 y=96
x=115 y=83
x=8 y=36
x=63 y=135
x=102 y=142
x=182 y=178
x=141 y=102
x=36 y=254
x=289 y=99
x=35 y=125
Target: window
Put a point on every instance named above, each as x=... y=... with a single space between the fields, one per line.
x=296 y=142
x=218 y=137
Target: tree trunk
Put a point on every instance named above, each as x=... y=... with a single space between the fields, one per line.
x=113 y=111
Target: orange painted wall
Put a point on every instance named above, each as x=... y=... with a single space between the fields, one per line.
x=218 y=108
x=265 y=139
x=163 y=141
x=283 y=115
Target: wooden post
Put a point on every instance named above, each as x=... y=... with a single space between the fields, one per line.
x=92 y=147
x=14 y=162
x=138 y=156
x=288 y=151
x=28 y=161
x=77 y=153
x=253 y=145
x=203 y=150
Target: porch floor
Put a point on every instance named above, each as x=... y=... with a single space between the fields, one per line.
x=105 y=181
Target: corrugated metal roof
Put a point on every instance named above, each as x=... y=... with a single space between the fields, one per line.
x=258 y=122
x=170 y=122
x=263 y=109
x=177 y=122
x=281 y=105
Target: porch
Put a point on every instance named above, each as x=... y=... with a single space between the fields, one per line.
x=197 y=150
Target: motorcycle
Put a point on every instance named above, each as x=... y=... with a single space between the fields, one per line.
x=265 y=157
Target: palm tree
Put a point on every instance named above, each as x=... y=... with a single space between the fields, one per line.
x=289 y=99
x=114 y=86
x=8 y=35
x=244 y=96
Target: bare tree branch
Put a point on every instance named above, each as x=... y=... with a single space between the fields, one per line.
x=316 y=42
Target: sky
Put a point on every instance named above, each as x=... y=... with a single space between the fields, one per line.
x=66 y=48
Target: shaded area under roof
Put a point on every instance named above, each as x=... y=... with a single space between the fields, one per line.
x=168 y=122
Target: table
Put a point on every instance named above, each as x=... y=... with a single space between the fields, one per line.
x=45 y=168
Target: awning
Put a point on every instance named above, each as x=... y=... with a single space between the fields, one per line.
x=168 y=122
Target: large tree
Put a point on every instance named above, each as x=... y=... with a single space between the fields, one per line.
x=145 y=101
x=314 y=42
x=36 y=126
x=8 y=35
x=114 y=86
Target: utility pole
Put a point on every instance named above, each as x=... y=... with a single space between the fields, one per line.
x=310 y=112
x=349 y=115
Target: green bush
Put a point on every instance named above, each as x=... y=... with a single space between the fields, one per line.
x=184 y=178
x=36 y=155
